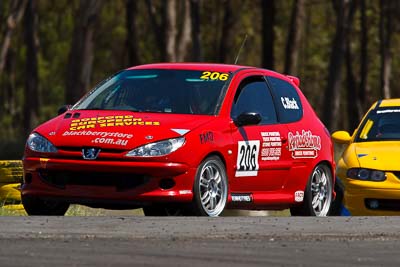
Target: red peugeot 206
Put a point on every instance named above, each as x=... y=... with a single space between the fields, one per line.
x=183 y=139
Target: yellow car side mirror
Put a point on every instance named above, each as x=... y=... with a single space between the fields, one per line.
x=341 y=137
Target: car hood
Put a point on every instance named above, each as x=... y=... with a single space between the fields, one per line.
x=378 y=155
x=117 y=130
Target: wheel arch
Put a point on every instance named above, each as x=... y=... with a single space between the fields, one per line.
x=215 y=153
x=331 y=168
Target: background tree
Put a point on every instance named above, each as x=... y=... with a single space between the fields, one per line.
x=132 y=35
x=197 y=52
x=226 y=38
x=353 y=103
x=332 y=91
x=80 y=59
x=294 y=37
x=31 y=96
x=88 y=40
x=16 y=14
x=364 y=89
x=268 y=33
x=385 y=38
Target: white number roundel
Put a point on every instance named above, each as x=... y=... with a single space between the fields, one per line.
x=247 y=158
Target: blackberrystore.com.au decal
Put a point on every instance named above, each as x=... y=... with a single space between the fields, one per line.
x=304 y=145
x=110 y=138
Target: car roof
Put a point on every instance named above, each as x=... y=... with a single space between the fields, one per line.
x=193 y=66
x=393 y=102
x=217 y=67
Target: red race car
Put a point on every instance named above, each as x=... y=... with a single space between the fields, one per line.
x=183 y=139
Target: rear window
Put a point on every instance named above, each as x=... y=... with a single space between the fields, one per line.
x=287 y=101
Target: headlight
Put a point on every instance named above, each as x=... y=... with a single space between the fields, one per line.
x=157 y=149
x=38 y=143
x=366 y=174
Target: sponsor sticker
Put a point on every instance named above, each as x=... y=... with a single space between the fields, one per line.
x=271 y=146
x=242 y=198
x=111 y=138
x=247 y=158
x=304 y=145
x=387 y=111
x=299 y=196
x=207 y=137
x=108 y=121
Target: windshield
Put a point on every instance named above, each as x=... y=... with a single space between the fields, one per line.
x=165 y=91
x=381 y=125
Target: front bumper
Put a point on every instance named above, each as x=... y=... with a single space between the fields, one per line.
x=75 y=181
x=364 y=201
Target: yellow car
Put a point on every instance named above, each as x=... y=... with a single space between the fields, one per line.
x=10 y=184
x=369 y=168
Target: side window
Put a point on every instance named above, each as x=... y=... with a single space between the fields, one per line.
x=253 y=95
x=287 y=101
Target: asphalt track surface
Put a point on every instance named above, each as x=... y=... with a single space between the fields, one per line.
x=195 y=241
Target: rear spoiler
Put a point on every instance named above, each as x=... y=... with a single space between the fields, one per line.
x=294 y=79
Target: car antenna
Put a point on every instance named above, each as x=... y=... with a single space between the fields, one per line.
x=240 y=49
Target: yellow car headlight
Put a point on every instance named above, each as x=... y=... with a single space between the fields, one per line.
x=366 y=174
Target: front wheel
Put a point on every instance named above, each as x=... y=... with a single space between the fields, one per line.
x=37 y=206
x=318 y=194
x=210 y=188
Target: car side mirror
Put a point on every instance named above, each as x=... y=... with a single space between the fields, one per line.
x=341 y=137
x=247 y=118
x=63 y=109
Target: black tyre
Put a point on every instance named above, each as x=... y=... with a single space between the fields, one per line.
x=336 y=207
x=37 y=206
x=318 y=195
x=210 y=188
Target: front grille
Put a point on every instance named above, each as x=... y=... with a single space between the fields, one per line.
x=122 y=181
x=383 y=204
x=79 y=150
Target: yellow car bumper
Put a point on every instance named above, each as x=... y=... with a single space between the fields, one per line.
x=10 y=193
x=10 y=184
x=372 y=202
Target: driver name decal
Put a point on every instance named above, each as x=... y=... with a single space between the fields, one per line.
x=247 y=158
x=108 y=121
x=288 y=103
x=304 y=145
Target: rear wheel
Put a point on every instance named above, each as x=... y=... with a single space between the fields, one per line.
x=37 y=206
x=318 y=194
x=210 y=188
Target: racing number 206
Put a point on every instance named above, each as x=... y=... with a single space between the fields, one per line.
x=206 y=75
x=247 y=158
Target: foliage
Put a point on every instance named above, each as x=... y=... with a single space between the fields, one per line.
x=56 y=24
